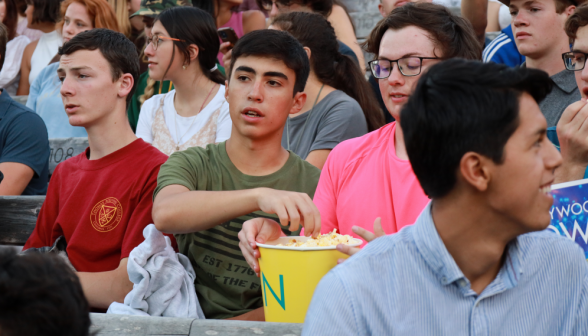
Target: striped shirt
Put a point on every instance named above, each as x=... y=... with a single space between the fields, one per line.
x=503 y=50
x=408 y=284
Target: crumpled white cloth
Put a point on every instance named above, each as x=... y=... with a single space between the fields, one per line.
x=163 y=281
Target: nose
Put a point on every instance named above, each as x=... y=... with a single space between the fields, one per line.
x=553 y=157
x=274 y=12
x=68 y=28
x=520 y=20
x=67 y=89
x=255 y=94
x=149 y=49
x=396 y=78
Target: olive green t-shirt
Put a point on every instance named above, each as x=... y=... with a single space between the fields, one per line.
x=225 y=284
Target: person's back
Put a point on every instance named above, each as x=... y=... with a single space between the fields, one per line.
x=478 y=258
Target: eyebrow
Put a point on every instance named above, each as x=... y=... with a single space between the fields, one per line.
x=83 y=67
x=403 y=56
x=245 y=68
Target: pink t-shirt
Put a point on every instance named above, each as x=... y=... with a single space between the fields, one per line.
x=235 y=22
x=362 y=180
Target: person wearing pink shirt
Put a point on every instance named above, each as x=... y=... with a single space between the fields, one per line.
x=370 y=177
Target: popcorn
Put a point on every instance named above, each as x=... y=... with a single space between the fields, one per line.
x=327 y=239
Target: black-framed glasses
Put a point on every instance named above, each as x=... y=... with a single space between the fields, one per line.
x=408 y=66
x=574 y=60
x=156 y=40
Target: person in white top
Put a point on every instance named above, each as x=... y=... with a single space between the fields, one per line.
x=41 y=15
x=182 y=48
x=10 y=73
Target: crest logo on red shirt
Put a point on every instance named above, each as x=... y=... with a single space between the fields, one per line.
x=106 y=215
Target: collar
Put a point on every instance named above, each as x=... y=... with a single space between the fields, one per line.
x=5 y=102
x=565 y=80
x=435 y=254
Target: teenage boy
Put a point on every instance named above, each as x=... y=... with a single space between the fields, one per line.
x=204 y=195
x=572 y=133
x=24 y=143
x=474 y=262
x=538 y=27
x=100 y=200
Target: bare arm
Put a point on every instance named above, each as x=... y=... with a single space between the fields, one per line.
x=344 y=31
x=318 y=157
x=176 y=209
x=25 y=69
x=16 y=178
x=493 y=12
x=476 y=12
x=103 y=288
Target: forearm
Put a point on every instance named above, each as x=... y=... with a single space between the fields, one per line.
x=200 y=210
x=569 y=172
x=476 y=11
x=103 y=288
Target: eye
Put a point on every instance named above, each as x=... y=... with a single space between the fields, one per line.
x=513 y=13
x=81 y=76
x=61 y=79
x=274 y=83
x=242 y=78
x=534 y=9
x=80 y=24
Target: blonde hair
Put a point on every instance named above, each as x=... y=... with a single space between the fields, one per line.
x=149 y=91
x=121 y=11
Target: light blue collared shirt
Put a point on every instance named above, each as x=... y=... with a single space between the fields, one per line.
x=408 y=284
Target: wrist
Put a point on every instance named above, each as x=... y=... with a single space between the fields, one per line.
x=569 y=171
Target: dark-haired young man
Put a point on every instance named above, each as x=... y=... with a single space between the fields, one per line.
x=474 y=262
x=100 y=200
x=538 y=29
x=24 y=144
x=204 y=195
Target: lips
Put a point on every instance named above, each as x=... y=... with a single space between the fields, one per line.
x=71 y=108
x=520 y=35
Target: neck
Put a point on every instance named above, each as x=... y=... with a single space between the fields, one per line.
x=551 y=62
x=399 y=142
x=476 y=238
x=257 y=157
x=222 y=13
x=110 y=134
x=192 y=88
x=312 y=89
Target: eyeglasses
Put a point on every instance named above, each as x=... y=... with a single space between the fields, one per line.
x=156 y=40
x=268 y=4
x=574 y=60
x=408 y=66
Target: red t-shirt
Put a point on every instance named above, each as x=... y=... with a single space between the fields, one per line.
x=100 y=206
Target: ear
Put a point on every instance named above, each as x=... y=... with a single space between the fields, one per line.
x=381 y=9
x=126 y=82
x=569 y=11
x=194 y=51
x=308 y=52
x=475 y=170
x=227 y=90
x=299 y=100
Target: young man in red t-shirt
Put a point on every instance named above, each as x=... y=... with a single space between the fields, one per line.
x=100 y=200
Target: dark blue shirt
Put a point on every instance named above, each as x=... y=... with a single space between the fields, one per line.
x=345 y=50
x=24 y=139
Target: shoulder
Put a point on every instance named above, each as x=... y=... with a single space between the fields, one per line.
x=30 y=48
x=357 y=148
x=20 y=42
x=343 y=101
x=20 y=115
x=49 y=71
x=149 y=155
x=306 y=169
x=153 y=102
x=338 y=12
x=549 y=248
x=496 y=46
x=253 y=15
x=195 y=155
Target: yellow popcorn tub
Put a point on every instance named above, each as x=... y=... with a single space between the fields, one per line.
x=290 y=274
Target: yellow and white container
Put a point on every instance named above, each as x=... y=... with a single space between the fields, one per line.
x=289 y=276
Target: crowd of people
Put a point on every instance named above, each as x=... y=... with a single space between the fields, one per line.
x=438 y=154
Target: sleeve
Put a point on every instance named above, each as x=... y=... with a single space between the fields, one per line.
x=331 y=310
x=224 y=124
x=344 y=120
x=325 y=197
x=13 y=58
x=179 y=170
x=581 y=323
x=27 y=142
x=146 y=119
x=45 y=229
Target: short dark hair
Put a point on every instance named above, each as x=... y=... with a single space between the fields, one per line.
x=576 y=21
x=322 y=7
x=277 y=45
x=118 y=50
x=464 y=106
x=40 y=295
x=45 y=10
x=3 y=43
x=451 y=34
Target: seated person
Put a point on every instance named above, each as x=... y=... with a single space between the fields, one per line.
x=571 y=136
x=41 y=15
x=100 y=200
x=44 y=97
x=195 y=113
x=10 y=74
x=40 y=295
x=340 y=103
x=24 y=145
x=478 y=260
x=204 y=195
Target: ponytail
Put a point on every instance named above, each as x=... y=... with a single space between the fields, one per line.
x=149 y=91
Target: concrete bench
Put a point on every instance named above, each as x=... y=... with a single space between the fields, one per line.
x=107 y=324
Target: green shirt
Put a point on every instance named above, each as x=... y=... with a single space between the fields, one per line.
x=225 y=284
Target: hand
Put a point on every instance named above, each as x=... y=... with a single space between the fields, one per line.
x=226 y=50
x=257 y=230
x=363 y=233
x=572 y=131
x=291 y=207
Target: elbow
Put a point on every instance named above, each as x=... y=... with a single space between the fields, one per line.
x=162 y=216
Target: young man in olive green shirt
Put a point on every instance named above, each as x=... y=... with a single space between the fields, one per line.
x=204 y=195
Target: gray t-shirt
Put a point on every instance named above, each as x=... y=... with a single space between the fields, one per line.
x=334 y=119
x=565 y=92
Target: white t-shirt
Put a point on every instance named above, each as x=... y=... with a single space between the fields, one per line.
x=10 y=73
x=187 y=127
